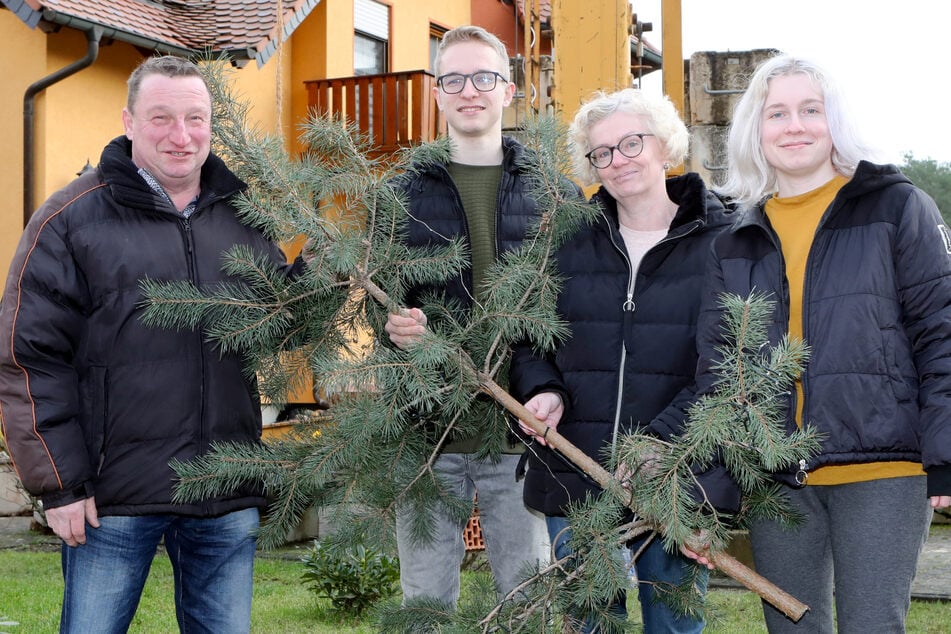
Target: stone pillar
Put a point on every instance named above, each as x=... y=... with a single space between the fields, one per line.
x=715 y=83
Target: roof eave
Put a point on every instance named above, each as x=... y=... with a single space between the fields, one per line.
x=33 y=15
x=238 y=56
x=264 y=49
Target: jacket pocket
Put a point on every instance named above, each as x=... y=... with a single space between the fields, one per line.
x=94 y=394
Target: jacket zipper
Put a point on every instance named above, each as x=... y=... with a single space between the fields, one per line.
x=629 y=306
x=193 y=276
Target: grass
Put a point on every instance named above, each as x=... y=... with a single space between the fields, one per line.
x=31 y=590
x=32 y=586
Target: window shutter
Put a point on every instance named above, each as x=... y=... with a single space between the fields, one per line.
x=372 y=18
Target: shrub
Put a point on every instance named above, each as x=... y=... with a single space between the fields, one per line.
x=354 y=579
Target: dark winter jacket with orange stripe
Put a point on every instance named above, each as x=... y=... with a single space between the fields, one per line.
x=92 y=401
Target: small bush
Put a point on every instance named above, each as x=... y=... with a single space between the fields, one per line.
x=353 y=580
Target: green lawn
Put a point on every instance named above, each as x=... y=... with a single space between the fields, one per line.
x=31 y=588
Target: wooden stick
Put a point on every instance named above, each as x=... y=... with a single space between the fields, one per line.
x=770 y=592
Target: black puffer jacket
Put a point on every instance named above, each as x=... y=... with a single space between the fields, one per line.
x=94 y=402
x=876 y=313
x=437 y=216
x=630 y=360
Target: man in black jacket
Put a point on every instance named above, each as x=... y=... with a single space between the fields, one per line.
x=481 y=196
x=95 y=405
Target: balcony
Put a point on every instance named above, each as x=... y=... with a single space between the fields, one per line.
x=395 y=109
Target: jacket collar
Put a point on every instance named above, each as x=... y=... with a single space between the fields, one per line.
x=868 y=177
x=129 y=188
x=695 y=203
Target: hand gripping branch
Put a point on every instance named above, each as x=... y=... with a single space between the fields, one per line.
x=768 y=591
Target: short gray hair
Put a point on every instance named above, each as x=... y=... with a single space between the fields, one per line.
x=663 y=122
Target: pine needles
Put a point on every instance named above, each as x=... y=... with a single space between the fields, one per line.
x=394 y=410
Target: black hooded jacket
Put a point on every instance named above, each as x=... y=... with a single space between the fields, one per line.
x=876 y=315
x=630 y=360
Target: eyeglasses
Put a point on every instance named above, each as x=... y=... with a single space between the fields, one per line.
x=630 y=146
x=483 y=81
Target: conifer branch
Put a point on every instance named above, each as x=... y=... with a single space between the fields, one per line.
x=393 y=410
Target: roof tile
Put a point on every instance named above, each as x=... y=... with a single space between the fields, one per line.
x=196 y=25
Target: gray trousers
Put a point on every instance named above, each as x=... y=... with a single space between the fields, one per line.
x=860 y=540
x=514 y=536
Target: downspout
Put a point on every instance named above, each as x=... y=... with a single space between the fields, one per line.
x=93 y=37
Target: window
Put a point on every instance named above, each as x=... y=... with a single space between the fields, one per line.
x=435 y=38
x=369 y=55
x=371 y=24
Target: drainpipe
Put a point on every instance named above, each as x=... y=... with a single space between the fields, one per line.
x=93 y=37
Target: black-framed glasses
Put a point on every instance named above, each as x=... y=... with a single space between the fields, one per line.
x=483 y=81
x=630 y=146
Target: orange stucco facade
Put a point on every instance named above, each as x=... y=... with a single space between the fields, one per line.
x=77 y=116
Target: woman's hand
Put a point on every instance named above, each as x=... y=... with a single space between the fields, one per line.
x=548 y=408
x=697 y=549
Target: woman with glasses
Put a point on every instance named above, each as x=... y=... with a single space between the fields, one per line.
x=631 y=295
x=859 y=262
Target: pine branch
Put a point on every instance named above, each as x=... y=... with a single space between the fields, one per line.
x=394 y=410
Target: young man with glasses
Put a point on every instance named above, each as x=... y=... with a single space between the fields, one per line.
x=481 y=196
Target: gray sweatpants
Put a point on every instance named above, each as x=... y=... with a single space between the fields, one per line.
x=514 y=535
x=861 y=540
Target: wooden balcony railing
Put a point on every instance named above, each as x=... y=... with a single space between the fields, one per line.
x=395 y=109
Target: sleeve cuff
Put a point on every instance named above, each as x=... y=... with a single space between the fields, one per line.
x=939 y=480
x=63 y=497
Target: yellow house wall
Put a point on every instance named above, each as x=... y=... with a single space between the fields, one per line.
x=409 y=27
x=18 y=72
x=265 y=89
x=80 y=114
x=77 y=116
x=319 y=51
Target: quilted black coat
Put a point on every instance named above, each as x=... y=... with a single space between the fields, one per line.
x=630 y=361
x=94 y=402
x=876 y=314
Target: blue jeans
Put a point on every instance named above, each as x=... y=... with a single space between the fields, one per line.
x=654 y=565
x=514 y=536
x=212 y=562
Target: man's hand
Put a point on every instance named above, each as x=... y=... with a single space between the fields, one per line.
x=405 y=329
x=547 y=407
x=69 y=522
